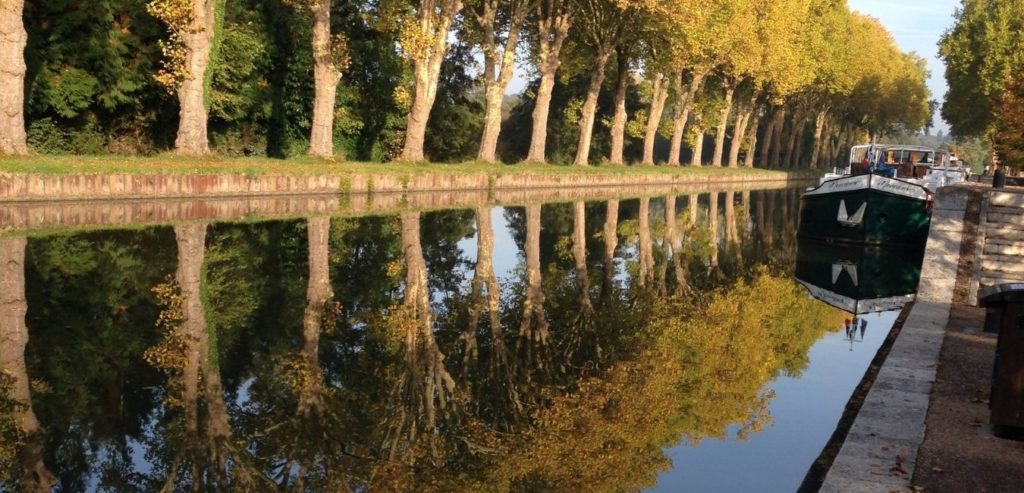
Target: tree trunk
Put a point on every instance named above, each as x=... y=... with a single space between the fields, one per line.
x=325 y=82
x=775 y=150
x=426 y=74
x=698 y=146
x=35 y=476
x=793 y=146
x=681 y=112
x=12 y=78
x=819 y=125
x=769 y=136
x=198 y=41
x=589 y=111
x=538 y=141
x=658 y=98
x=611 y=242
x=740 y=132
x=493 y=97
x=553 y=28
x=498 y=73
x=748 y=158
x=723 y=124
x=434 y=26
x=619 y=117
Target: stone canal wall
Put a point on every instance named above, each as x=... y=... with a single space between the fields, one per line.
x=34 y=187
x=999 y=256
x=29 y=216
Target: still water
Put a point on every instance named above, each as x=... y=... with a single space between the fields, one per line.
x=598 y=345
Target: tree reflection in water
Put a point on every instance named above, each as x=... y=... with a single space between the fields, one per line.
x=553 y=381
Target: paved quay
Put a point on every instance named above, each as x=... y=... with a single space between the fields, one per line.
x=915 y=397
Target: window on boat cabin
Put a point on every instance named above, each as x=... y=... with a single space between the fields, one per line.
x=908 y=156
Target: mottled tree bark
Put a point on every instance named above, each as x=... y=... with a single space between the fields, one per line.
x=434 y=27
x=748 y=159
x=740 y=132
x=325 y=82
x=12 y=78
x=698 y=145
x=618 y=130
x=198 y=41
x=498 y=67
x=658 y=98
x=819 y=126
x=681 y=112
x=589 y=111
x=723 y=125
x=35 y=476
x=772 y=134
x=553 y=21
x=793 y=143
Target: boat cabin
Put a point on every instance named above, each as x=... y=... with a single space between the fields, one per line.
x=894 y=161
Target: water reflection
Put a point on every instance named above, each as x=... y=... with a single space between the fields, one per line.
x=373 y=353
x=859 y=279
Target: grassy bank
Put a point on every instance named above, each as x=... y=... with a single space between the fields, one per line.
x=180 y=165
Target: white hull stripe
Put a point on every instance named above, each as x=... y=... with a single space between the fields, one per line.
x=870 y=182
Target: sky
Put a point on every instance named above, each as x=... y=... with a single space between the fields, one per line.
x=917 y=26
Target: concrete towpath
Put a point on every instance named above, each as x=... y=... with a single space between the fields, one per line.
x=936 y=366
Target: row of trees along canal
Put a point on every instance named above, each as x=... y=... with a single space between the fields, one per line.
x=984 y=54
x=614 y=80
x=376 y=353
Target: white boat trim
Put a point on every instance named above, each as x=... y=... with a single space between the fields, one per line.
x=857 y=307
x=885 y=184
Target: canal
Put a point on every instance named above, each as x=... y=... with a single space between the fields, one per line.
x=656 y=343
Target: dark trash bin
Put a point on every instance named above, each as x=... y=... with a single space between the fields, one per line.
x=999 y=178
x=1004 y=312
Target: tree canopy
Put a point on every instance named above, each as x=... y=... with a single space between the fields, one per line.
x=395 y=79
x=984 y=51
